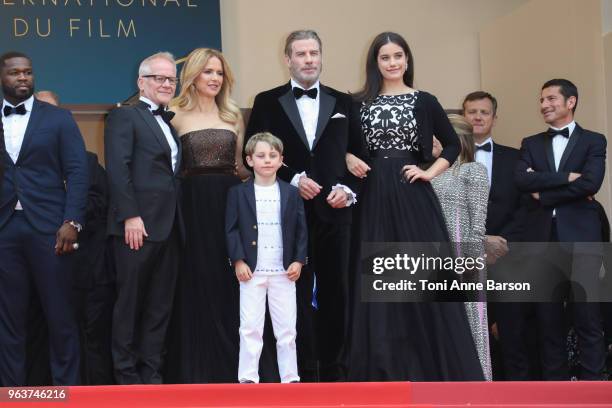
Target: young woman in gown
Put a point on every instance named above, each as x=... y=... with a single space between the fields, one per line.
x=463 y=192
x=206 y=317
x=404 y=341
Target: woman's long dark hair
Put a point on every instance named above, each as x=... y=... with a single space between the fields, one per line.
x=374 y=78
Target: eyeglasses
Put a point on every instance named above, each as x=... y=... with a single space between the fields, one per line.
x=161 y=79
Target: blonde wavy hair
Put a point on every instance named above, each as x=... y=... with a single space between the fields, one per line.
x=192 y=67
x=464 y=130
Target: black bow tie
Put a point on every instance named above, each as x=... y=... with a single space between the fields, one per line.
x=299 y=92
x=486 y=147
x=166 y=115
x=554 y=132
x=9 y=110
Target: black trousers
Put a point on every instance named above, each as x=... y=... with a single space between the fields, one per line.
x=95 y=313
x=329 y=261
x=146 y=281
x=28 y=260
x=550 y=318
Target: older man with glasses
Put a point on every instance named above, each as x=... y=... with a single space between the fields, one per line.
x=143 y=155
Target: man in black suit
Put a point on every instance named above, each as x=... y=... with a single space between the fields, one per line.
x=503 y=221
x=2 y=152
x=504 y=213
x=317 y=128
x=562 y=169
x=143 y=158
x=42 y=207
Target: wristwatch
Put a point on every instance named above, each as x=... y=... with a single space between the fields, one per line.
x=75 y=225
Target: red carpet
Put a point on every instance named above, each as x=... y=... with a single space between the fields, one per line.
x=346 y=395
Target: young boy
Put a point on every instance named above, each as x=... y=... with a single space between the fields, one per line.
x=265 y=227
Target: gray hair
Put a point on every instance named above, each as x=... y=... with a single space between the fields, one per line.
x=301 y=35
x=145 y=65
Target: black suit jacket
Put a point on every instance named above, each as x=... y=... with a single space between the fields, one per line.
x=276 y=111
x=505 y=216
x=2 y=153
x=241 y=224
x=141 y=180
x=577 y=217
x=91 y=260
x=49 y=177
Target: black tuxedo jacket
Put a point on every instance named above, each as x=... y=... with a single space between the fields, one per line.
x=577 y=217
x=2 y=153
x=504 y=212
x=338 y=131
x=139 y=169
x=241 y=224
x=50 y=176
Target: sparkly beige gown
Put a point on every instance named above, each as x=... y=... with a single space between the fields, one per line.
x=463 y=192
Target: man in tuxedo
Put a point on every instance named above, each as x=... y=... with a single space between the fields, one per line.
x=317 y=127
x=562 y=169
x=504 y=212
x=143 y=158
x=2 y=153
x=42 y=207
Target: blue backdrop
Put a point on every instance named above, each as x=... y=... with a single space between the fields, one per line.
x=88 y=51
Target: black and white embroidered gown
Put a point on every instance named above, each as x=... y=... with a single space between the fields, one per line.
x=404 y=341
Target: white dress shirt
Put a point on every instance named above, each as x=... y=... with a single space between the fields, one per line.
x=14 y=131
x=559 y=143
x=309 y=113
x=486 y=158
x=166 y=129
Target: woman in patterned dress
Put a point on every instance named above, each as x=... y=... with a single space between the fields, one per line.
x=463 y=192
x=391 y=341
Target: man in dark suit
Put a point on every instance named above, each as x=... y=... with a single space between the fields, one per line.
x=504 y=212
x=42 y=207
x=2 y=152
x=317 y=128
x=94 y=282
x=143 y=158
x=562 y=169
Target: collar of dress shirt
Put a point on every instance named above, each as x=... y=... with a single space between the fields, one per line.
x=487 y=140
x=570 y=127
x=27 y=103
x=153 y=106
x=316 y=85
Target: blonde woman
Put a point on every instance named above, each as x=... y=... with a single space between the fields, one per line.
x=463 y=192
x=211 y=128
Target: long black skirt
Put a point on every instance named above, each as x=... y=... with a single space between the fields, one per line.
x=203 y=335
x=406 y=341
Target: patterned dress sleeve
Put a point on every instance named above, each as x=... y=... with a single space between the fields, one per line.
x=477 y=199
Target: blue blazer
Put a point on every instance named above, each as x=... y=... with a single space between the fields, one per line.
x=241 y=224
x=52 y=152
x=578 y=218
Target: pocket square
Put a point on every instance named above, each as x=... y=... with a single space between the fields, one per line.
x=338 y=116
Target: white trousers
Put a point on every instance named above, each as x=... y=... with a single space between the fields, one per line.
x=283 y=310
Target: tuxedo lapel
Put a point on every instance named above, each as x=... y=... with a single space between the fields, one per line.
x=149 y=119
x=326 y=107
x=35 y=117
x=287 y=101
x=496 y=164
x=284 y=195
x=249 y=192
x=550 y=156
x=179 y=155
x=573 y=140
